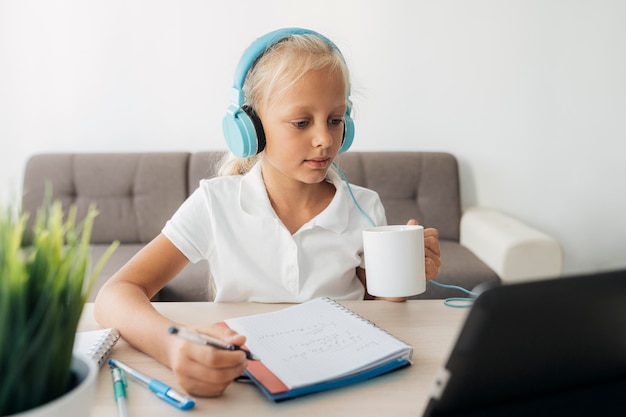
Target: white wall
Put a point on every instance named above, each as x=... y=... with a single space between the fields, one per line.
x=530 y=95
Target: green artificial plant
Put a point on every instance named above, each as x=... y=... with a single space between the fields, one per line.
x=43 y=288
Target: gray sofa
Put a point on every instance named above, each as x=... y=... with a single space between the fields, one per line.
x=136 y=193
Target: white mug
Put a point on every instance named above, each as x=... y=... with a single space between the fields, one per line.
x=394 y=260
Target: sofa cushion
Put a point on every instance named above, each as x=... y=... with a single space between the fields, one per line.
x=420 y=185
x=118 y=258
x=460 y=267
x=191 y=284
x=135 y=193
x=203 y=165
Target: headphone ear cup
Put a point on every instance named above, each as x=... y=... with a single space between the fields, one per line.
x=258 y=127
x=348 y=133
x=240 y=132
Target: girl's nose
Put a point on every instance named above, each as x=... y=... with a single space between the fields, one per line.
x=324 y=136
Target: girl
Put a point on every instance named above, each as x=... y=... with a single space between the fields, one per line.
x=278 y=226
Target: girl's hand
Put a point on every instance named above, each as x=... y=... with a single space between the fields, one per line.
x=205 y=371
x=431 y=250
x=432 y=258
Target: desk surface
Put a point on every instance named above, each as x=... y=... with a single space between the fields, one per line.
x=428 y=325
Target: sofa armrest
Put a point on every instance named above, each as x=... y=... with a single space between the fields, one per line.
x=514 y=250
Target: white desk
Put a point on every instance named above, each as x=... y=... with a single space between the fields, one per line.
x=428 y=325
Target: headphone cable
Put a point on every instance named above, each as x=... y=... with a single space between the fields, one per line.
x=456 y=302
x=358 y=206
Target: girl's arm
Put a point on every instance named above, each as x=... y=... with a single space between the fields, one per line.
x=124 y=302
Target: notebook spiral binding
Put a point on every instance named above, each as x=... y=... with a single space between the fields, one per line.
x=103 y=346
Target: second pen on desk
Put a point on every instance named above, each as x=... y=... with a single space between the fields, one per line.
x=204 y=339
x=119 y=390
x=163 y=391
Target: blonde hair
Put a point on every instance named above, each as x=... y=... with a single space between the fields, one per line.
x=277 y=70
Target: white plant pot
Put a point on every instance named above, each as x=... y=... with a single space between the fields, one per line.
x=76 y=402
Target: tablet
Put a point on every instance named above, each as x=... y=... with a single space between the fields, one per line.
x=549 y=347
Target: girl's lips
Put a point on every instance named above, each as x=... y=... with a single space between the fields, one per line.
x=318 y=163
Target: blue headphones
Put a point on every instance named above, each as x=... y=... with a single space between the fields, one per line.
x=242 y=128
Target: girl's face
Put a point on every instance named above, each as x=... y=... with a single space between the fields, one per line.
x=304 y=128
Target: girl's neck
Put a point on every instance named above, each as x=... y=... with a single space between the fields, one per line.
x=296 y=203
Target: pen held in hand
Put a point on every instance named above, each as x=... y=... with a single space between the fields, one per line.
x=204 y=339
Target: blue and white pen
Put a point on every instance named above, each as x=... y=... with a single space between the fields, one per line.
x=163 y=391
x=119 y=390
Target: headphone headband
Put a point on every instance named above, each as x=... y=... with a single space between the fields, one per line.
x=261 y=45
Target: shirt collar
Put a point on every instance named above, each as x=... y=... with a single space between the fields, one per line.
x=253 y=197
x=253 y=200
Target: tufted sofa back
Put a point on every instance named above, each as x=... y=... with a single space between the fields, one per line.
x=137 y=192
x=134 y=192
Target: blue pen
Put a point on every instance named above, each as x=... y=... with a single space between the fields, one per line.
x=161 y=390
x=119 y=390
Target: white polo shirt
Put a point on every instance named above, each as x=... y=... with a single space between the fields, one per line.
x=230 y=222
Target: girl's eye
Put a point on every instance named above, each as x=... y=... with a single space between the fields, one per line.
x=335 y=122
x=301 y=123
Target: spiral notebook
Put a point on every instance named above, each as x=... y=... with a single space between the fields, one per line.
x=96 y=344
x=315 y=346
